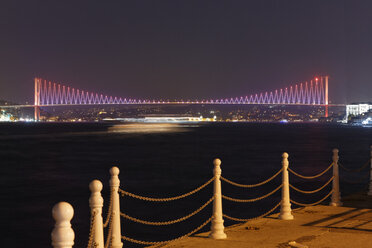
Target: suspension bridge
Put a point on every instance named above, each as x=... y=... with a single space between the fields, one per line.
x=47 y=93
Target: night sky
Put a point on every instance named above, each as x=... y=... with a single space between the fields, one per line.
x=186 y=49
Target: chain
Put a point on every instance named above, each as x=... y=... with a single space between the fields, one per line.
x=109 y=234
x=312 y=191
x=312 y=204
x=167 y=241
x=254 y=218
x=252 y=200
x=105 y=224
x=251 y=185
x=92 y=222
x=310 y=177
x=167 y=222
x=166 y=199
x=354 y=170
x=361 y=180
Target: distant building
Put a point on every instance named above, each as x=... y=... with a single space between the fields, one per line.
x=357 y=109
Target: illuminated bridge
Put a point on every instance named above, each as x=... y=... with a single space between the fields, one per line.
x=313 y=92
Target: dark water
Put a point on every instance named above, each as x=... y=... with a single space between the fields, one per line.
x=42 y=164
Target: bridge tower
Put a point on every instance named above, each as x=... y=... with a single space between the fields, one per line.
x=326 y=96
x=37 y=99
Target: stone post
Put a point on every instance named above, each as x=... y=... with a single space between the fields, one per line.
x=96 y=204
x=370 y=174
x=285 y=207
x=217 y=228
x=62 y=235
x=336 y=196
x=115 y=218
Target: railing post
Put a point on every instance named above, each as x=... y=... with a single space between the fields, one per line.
x=62 y=235
x=285 y=207
x=217 y=228
x=336 y=196
x=96 y=204
x=370 y=174
x=116 y=226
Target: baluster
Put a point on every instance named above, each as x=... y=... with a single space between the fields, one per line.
x=62 y=235
x=285 y=207
x=336 y=196
x=217 y=227
x=116 y=226
x=96 y=204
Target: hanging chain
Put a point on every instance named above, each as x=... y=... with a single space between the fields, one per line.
x=92 y=222
x=364 y=179
x=310 y=177
x=254 y=218
x=354 y=170
x=168 y=222
x=109 y=233
x=312 y=204
x=254 y=199
x=105 y=224
x=167 y=241
x=166 y=199
x=312 y=191
x=251 y=185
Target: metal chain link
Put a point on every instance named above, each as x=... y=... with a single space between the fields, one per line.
x=105 y=224
x=354 y=170
x=310 y=177
x=167 y=241
x=109 y=234
x=254 y=218
x=361 y=180
x=251 y=185
x=167 y=222
x=312 y=204
x=92 y=222
x=312 y=191
x=166 y=199
x=254 y=199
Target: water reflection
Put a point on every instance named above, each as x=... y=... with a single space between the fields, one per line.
x=149 y=128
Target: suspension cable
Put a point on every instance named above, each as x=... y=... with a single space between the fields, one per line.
x=254 y=199
x=354 y=170
x=251 y=185
x=311 y=191
x=167 y=241
x=312 y=204
x=144 y=198
x=167 y=222
x=254 y=218
x=310 y=177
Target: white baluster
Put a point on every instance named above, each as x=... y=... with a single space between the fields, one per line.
x=217 y=227
x=116 y=226
x=336 y=196
x=96 y=204
x=62 y=235
x=285 y=207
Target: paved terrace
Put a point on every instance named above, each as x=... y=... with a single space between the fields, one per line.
x=319 y=226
